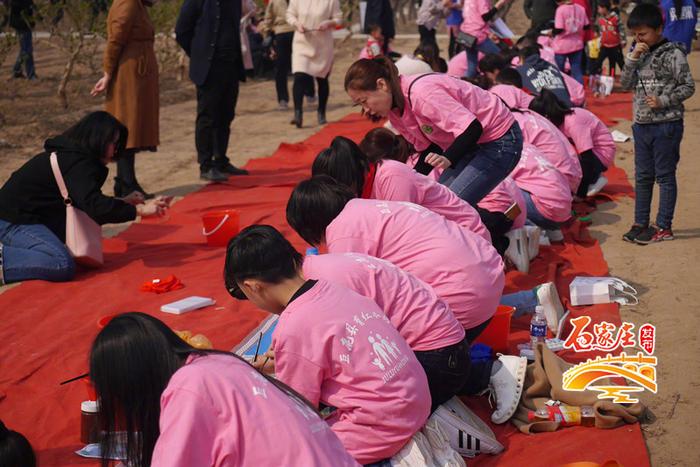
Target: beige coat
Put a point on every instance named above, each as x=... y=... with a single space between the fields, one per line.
x=132 y=95
x=276 y=18
x=312 y=51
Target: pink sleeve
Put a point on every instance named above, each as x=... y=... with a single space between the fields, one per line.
x=188 y=431
x=579 y=133
x=559 y=18
x=300 y=374
x=352 y=245
x=586 y=21
x=395 y=188
x=483 y=7
x=440 y=111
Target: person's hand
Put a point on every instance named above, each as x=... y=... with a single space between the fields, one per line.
x=438 y=161
x=653 y=102
x=639 y=49
x=101 y=85
x=266 y=362
x=163 y=201
x=134 y=198
x=152 y=208
x=300 y=28
x=327 y=24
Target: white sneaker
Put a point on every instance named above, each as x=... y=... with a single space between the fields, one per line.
x=548 y=297
x=555 y=235
x=468 y=437
x=507 y=384
x=416 y=453
x=532 y=232
x=597 y=186
x=443 y=453
x=517 y=251
x=489 y=443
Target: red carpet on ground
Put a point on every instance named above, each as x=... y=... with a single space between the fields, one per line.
x=48 y=328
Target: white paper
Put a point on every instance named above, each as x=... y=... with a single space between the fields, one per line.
x=620 y=137
x=187 y=304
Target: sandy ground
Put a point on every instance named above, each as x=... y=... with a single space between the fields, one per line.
x=664 y=274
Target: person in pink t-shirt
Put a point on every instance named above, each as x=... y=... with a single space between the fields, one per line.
x=545 y=189
x=589 y=135
x=393 y=181
x=462 y=267
x=501 y=200
x=332 y=345
x=570 y=20
x=190 y=407
x=455 y=125
x=476 y=15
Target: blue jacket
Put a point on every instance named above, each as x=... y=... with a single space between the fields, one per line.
x=680 y=26
x=197 y=30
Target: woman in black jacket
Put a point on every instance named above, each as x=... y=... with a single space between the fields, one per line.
x=32 y=211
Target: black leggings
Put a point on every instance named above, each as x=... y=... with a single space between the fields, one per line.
x=614 y=56
x=302 y=82
x=283 y=64
x=591 y=168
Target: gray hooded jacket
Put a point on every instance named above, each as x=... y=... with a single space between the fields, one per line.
x=663 y=72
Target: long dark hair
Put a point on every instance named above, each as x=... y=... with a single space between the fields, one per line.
x=549 y=106
x=344 y=161
x=364 y=73
x=15 y=450
x=381 y=143
x=131 y=362
x=259 y=252
x=314 y=204
x=95 y=132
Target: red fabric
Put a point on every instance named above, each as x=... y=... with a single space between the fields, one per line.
x=369 y=181
x=160 y=286
x=48 y=328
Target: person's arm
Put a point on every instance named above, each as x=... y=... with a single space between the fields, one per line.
x=293 y=16
x=118 y=33
x=630 y=72
x=464 y=143
x=423 y=167
x=684 y=86
x=189 y=427
x=186 y=22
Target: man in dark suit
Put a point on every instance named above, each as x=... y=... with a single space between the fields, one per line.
x=209 y=32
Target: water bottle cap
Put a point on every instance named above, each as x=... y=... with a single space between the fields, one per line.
x=89 y=407
x=311 y=251
x=539 y=309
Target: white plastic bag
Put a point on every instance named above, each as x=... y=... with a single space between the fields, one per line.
x=593 y=290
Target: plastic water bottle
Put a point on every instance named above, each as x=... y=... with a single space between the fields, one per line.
x=311 y=251
x=538 y=327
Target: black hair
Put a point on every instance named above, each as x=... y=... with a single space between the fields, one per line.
x=374 y=27
x=382 y=143
x=314 y=204
x=549 y=106
x=429 y=52
x=131 y=362
x=95 y=132
x=604 y=3
x=15 y=449
x=528 y=39
x=259 y=252
x=491 y=63
x=530 y=50
x=479 y=80
x=645 y=14
x=510 y=76
x=344 y=161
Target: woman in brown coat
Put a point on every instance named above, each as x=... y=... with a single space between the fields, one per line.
x=131 y=81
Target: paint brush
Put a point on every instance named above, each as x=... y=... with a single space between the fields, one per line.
x=74 y=379
x=257 y=348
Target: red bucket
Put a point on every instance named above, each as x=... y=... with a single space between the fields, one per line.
x=220 y=226
x=496 y=333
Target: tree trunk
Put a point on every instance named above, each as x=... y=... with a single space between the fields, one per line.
x=68 y=71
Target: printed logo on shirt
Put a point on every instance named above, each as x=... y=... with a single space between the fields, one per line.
x=686 y=13
x=427 y=129
x=546 y=79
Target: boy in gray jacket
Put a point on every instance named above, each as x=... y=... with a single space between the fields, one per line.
x=659 y=73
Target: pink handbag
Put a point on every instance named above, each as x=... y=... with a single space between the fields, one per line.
x=83 y=235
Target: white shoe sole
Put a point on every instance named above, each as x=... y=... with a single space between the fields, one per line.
x=517 y=251
x=466 y=438
x=443 y=454
x=597 y=186
x=548 y=297
x=512 y=406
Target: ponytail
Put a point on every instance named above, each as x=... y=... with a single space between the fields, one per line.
x=364 y=73
x=549 y=106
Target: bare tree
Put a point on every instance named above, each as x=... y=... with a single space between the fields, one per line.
x=170 y=56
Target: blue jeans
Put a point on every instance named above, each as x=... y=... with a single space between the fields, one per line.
x=474 y=177
x=32 y=251
x=447 y=369
x=574 y=61
x=657 y=149
x=486 y=46
x=25 y=55
x=524 y=302
x=536 y=217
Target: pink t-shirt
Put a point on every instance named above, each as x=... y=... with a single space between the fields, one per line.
x=442 y=107
x=549 y=188
x=572 y=19
x=219 y=411
x=513 y=97
x=472 y=21
x=463 y=268
x=395 y=181
x=586 y=131
x=457 y=66
x=422 y=318
x=502 y=197
x=337 y=347
x=577 y=93
x=541 y=133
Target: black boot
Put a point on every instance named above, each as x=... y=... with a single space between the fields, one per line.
x=322 y=117
x=298 y=119
x=126 y=176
